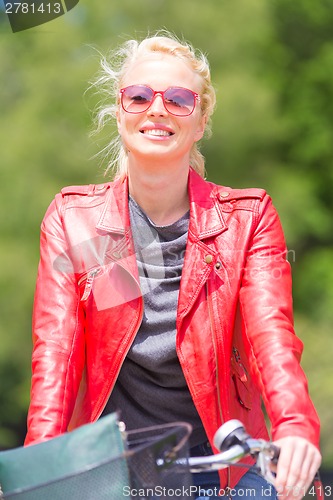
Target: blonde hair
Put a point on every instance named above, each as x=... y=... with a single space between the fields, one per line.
x=109 y=80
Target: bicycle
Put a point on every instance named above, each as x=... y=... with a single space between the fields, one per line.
x=155 y=464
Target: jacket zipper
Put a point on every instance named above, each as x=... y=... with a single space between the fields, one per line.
x=216 y=357
x=210 y=313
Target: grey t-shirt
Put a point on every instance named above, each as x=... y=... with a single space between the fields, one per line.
x=151 y=388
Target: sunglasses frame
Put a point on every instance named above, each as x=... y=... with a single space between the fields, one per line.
x=160 y=93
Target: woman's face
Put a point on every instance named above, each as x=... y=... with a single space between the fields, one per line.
x=155 y=133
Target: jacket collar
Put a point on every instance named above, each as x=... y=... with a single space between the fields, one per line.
x=205 y=213
x=115 y=214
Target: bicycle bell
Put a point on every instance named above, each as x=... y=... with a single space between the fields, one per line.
x=229 y=434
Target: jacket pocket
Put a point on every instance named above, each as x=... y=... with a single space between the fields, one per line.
x=241 y=380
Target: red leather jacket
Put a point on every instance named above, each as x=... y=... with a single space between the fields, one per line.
x=235 y=338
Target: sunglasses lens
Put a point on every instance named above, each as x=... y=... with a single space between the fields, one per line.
x=137 y=98
x=179 y=101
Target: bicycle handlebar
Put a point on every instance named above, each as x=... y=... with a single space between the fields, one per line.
x=216 y=462
x=235 y=453
x=235 y=444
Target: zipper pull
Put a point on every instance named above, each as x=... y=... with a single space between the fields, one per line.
x=241 y=370
x=236 y=354
x=89 y=284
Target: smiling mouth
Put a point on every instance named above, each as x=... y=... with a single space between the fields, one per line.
x=157 y=132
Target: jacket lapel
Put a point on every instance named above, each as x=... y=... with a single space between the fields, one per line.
x=115 y=221
x=206 y=221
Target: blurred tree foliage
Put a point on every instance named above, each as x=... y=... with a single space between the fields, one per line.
x=272 y=66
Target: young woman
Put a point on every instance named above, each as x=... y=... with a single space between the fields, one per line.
x=164 y=295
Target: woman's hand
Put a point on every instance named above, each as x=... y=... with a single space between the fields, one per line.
x=298 y=462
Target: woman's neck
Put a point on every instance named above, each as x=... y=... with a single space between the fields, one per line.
x=162 y=195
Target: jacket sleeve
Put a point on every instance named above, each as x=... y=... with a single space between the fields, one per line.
x=273 y=348
x=58 y=339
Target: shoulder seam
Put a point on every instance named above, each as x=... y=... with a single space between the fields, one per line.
x=84 y=190
x=227 y=194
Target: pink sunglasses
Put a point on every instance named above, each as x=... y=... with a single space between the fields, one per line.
x=178 y=101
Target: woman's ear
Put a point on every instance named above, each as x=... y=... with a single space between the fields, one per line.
x=201 y=128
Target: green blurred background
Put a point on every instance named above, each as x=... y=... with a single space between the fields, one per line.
x=272 y=66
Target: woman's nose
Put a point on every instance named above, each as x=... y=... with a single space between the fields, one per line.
x=157 y=106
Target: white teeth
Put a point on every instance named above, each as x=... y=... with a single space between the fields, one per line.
x=157 y=132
